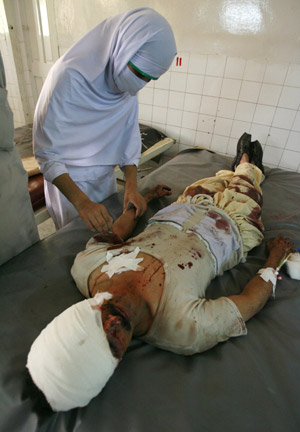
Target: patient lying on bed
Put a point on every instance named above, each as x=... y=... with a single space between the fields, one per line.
x=153 y=286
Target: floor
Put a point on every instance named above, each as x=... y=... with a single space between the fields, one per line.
x=47 y=227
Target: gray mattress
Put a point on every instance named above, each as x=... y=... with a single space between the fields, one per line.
x=251 y=383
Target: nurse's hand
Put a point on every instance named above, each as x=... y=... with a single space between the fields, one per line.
x=137 y=200
x=95 y=216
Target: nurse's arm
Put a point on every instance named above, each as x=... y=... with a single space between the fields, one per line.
x=94 y=215
x=257 y=292
x=131 y=194
x=125 y=224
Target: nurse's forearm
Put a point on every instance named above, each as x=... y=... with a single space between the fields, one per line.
x=130 y=172
x=93 y=214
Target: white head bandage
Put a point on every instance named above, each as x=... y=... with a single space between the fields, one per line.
x=122 y=263
x=70 y=361
x=269 y=274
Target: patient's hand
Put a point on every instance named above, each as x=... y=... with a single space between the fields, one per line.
x=280 y=246
x=157 y=191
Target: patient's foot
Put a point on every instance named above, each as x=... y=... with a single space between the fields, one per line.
x=244 y=158
x=257 y=155
x=243 y=147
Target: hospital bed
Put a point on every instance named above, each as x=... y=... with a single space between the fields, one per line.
x=248 y=384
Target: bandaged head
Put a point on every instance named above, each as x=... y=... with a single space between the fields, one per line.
x=71 y=361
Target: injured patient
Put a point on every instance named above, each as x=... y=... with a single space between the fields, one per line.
x=153 y=286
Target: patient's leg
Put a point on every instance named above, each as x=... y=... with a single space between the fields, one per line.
x=242 y=201
x=207 y=186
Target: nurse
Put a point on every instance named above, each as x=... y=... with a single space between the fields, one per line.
x=86 y=118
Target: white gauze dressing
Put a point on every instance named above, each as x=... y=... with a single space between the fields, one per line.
x=293 y=266
x=121 y=263
x=71 y=361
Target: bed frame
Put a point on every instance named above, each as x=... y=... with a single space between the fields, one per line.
x=248 y=384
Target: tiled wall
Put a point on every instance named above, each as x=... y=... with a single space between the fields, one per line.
x=210 y=100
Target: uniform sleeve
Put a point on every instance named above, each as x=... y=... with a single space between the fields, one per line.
x=214 y=321
x=132 y=153
x=86 y=262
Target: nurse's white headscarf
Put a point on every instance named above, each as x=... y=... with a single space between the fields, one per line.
x=70 y=361
x=87 y=111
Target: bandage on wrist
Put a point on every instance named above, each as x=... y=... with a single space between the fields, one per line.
x=269 y=275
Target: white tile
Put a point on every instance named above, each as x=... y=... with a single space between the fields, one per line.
x=294 y=141
x=215 y=65
x=192 y=102
x=209 y=105
x=206 y=123
x=197 y=64
x=160 y=98
x=296 y=125
x=182 y=147
x=181 y=62
x=276 y=73
x=176 y=100
x=163 y=81
x=269 y=94
x=259 y=132
x=290 y=160
x=293 y=76
x=235 y=67
x=178 y=81
x=174 y=117
x=272 y=155
x=159 y=115
x=284 y=118
x=255 y=70
x=173 y=132
x=290 y=98
x=219 y=143
x=212 y=86
x=239 y=127
x=244 y=111
x=223 y=126
x=226 y=108
x=194 y=84
x=161 y=127
x=277 y=137
x=249 y=91
x=150 y=84
x=230 y=88
x=187 y=136
x=264 y=115
x=145 y=96
x=145 y=112
x=231 y=146
x=189 y=120
x=203 y=139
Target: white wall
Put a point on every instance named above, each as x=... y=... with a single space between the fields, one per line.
x=240 y=71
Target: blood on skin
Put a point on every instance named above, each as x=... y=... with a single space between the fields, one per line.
x=181 y=266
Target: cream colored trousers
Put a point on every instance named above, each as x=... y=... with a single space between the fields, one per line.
x=237 y=193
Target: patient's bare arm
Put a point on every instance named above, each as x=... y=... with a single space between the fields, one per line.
x=125 y=224
x=257 y=291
